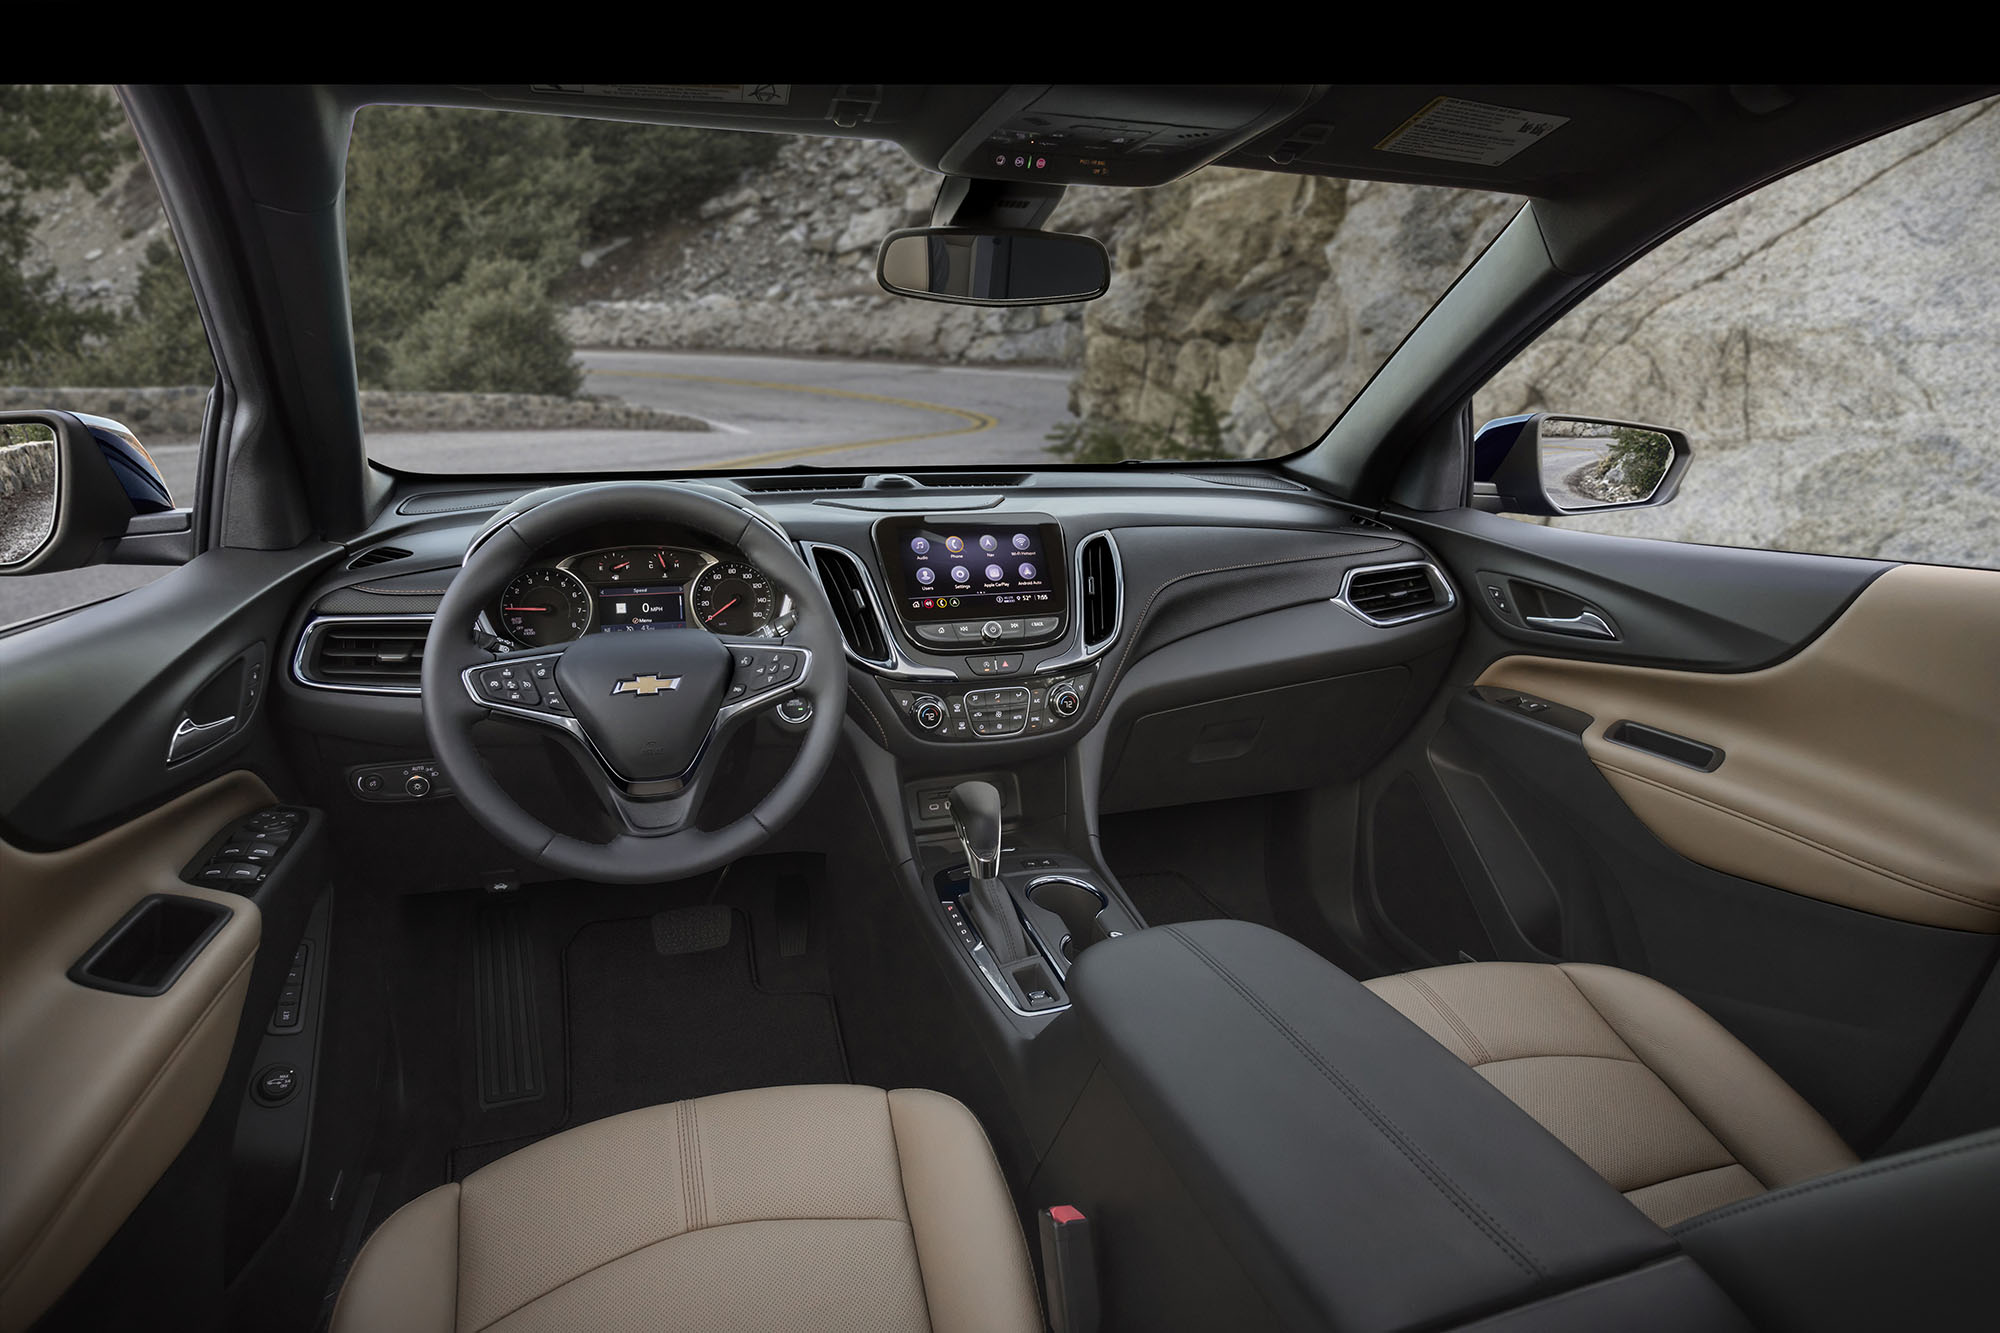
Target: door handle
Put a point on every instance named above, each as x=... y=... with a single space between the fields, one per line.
x=191 y=737
x=1587 y=623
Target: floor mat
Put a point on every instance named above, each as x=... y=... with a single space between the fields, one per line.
x=647 y=1026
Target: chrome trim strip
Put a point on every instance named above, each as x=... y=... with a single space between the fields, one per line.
x=896 y=665
x=568 y=723
x=1055 y=956
x=982 y=958
x=1439 y=584
x=310 y=634
x=1088 y=653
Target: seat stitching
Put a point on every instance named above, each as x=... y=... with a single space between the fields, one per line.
x=895 y=1142
x=690 y=1203
x=1824 y=1182
x=1849 y=857
x=699 y=1218
x=1714 y=1130
x=1439 y=1179
x=1689 y=1175
x=1451 y=1017
x=1609 y=1059
x=667 y=1240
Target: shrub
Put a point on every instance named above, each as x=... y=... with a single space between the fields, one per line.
x=493 y=330
x=49 y=135
x=1196 y=432
x=654 y=173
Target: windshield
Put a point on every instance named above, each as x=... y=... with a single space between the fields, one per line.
x=534 y=293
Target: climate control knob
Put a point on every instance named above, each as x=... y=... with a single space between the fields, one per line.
x=1065 y=700
x=929 y=712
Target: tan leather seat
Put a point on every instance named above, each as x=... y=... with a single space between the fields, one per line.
x=827 y=1208
x=1653 y=1093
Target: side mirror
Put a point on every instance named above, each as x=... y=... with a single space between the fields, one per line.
x=1547 y=464
x=993 y=266
x=71 y=485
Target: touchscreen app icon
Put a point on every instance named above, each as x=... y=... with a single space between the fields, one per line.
x=926 y=575
x=989 y=543
x=960 y=574
x=920 y=545
x=1027 y=571
x=994 y=573
x=954 y=544
x=1020 y=541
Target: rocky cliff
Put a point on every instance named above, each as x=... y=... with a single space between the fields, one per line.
x=1831 y=347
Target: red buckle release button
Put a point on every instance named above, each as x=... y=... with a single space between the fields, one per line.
x=1062 y=1212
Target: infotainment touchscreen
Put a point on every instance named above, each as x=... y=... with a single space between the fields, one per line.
x=971 y=570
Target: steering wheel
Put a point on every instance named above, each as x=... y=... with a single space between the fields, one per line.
x=648 y=710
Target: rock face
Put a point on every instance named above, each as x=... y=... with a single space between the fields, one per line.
x=785 y=263
x=1277 y=296
x=166 y=415
x=1830 y=344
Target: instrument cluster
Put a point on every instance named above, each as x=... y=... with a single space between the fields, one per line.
x=633 y=589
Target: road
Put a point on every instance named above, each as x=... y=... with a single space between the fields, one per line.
x=763 y=411
x=769 y=411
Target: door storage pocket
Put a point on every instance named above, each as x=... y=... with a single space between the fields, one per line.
x=150 y=947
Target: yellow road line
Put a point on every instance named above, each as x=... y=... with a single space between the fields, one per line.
x=980 y=421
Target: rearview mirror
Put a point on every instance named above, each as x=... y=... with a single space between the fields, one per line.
x=71 y=487
x=1548 y=464
x=993 y=266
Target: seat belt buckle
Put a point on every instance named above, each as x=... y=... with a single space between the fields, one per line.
x=1069 y=1270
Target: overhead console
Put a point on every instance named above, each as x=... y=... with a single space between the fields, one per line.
x=1082 y=134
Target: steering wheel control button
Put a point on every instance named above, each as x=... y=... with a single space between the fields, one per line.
x=275 y=1085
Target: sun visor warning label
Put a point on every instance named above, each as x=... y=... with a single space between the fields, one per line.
x=754 y=94
x=1453 y=130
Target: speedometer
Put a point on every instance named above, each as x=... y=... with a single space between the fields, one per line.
x=733 y=597
x=543 y=606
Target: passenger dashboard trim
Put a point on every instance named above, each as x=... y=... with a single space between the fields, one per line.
x=1439 y=584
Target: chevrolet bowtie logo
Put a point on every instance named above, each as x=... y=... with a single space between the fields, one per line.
x=648 y=684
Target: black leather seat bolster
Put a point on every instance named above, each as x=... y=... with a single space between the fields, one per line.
x=1363 y=1176
x=1901 y=1242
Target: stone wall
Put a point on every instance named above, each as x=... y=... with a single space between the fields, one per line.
x=157 y=415
x=785 y=263
x=1829 y=344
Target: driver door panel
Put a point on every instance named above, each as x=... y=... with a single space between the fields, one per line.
x=102 y=1086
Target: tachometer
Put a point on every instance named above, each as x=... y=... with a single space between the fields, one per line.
x=544 y=605
x=733 y=597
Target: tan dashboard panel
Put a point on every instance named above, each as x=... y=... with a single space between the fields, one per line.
x=99 y=1092
x=1864 y=770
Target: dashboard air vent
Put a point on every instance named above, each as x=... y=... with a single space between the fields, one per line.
x=847 y=588
x=377 y=654
x=788 y=482
x=1386 y=594
x=1100 y=590
x=377 y=556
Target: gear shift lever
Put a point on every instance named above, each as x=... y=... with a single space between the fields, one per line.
x=975 y=813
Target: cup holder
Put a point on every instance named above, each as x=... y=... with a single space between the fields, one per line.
x=1081 y=907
